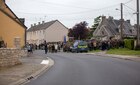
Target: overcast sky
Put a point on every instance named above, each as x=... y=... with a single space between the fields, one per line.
x=70 y=12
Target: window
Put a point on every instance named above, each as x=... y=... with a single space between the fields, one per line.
x=17 y=41
x=103 y=32
x=117 y=30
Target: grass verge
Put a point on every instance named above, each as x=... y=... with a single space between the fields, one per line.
x=123 y=51
x=94 y=51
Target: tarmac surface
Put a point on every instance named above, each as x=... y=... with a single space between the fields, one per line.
x=89 y=69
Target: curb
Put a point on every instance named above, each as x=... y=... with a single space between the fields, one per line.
x=34 y=75
x=132 y=58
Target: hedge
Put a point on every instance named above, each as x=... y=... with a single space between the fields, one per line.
x=129 y=43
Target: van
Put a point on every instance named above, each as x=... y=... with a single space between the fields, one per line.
x=79 y=46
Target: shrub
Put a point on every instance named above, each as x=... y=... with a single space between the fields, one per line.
x=137 y=47
x=129 y=43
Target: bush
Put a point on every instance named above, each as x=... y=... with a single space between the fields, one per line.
x=137 y=47
x=129 y=43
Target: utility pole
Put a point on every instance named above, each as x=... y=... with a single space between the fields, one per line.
x=122 y=20
x=138 y=28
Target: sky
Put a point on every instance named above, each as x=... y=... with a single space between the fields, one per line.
x=71 y=12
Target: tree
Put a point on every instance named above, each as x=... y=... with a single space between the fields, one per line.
x=79 y=31
x=96 y=23
x=70 y=33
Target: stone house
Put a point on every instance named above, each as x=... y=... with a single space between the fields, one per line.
x=12 y=29
x=53 y=31
x=109 y=27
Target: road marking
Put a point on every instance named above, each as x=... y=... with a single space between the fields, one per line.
x=45 y=62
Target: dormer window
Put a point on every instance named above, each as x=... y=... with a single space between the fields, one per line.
x=117 y=30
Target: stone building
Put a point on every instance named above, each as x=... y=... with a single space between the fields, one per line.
x=109 y=27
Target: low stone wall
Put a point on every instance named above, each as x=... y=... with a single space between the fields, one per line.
x=23 y=53
x=10 y=57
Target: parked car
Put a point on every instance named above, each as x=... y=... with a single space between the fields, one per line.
x=79 y=46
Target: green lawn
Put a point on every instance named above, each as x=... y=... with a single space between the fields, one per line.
x=123 y=51
x=93 y=51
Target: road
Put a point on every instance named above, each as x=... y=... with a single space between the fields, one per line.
x=83 y=69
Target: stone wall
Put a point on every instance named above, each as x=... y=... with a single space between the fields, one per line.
x=10 y=57
x=23 y=53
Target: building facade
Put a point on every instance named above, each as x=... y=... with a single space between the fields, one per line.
x=12 y=29
x=53 y=31
x=109 y=27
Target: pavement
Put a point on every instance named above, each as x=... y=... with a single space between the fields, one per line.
x=125 y=57
x=32 y=66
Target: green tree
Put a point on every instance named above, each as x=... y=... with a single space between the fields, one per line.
x=95 y=25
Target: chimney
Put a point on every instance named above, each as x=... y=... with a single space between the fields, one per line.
x=43 y=22
x=34 y=24
x=128 y=21
x=110 y=18
x=39 y=23
x=31 y=25
x=22 y=20
x=103 y=18
x=2 y=2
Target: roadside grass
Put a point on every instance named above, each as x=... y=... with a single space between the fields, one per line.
x=94 y=51
x=123 y=51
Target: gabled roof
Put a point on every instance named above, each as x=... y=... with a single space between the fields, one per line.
x=42 y=26
x=112 y=26
x=15 y=18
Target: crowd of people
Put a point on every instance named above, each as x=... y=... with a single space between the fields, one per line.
x=48 y=47
x=105 y=45
x=92 y=45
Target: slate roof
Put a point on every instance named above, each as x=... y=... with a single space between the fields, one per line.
x=41 y=26
x=112 y=26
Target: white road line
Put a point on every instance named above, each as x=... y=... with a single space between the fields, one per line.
x=45 y=62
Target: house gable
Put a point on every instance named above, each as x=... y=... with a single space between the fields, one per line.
x=9 y=30
x=11 y=27
x=7 y=11
x=103 y=29
x=57 y=30
x=57 y=24
x=112 y=27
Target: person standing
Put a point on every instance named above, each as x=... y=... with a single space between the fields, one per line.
x=56 y=47
x=45 y=47
x=53 y=48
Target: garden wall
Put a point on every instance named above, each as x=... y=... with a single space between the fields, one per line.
x=10 y=57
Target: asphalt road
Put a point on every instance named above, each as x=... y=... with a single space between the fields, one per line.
x=83 y=69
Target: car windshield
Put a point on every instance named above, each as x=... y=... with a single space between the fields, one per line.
x=82 y=43
x=75 y=44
